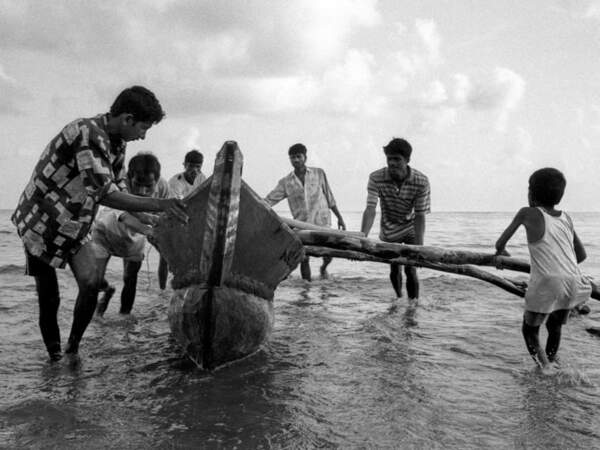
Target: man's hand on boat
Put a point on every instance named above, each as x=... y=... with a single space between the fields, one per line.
x=175 y=207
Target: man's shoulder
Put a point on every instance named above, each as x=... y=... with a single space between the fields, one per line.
x=419 y=177
x=162 y=188
x=90 y=129
x=176 y=178
x=378 y=175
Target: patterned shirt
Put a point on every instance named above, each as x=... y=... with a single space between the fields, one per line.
x=310 y=202
x=179 y=186
x=77 y=169
x=399 y=201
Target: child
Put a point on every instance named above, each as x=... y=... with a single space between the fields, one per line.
x=555 y=284
x=117 y=233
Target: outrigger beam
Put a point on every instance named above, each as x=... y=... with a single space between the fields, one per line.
x=321 y=241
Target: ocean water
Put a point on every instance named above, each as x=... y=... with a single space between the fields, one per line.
x=347 y=366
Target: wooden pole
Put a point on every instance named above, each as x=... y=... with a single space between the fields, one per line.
x=514 y=287
x=417 y=253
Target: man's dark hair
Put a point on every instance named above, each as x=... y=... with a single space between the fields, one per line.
x=194 y=157
x=140 y=102
x=142 y=165
x=398 y=146
x=297 y=149
x=547 y=186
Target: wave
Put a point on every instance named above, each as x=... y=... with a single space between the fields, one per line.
x=12 y=268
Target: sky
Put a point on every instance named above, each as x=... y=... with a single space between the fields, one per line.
x=486 y=92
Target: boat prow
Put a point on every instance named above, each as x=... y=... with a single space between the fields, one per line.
x=226 y=262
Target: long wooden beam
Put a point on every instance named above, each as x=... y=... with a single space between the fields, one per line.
x=514 y=287
x=417 y=253
x=431 y=258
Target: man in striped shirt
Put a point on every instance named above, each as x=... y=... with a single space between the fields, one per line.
x=405 y=199
x=309 y=198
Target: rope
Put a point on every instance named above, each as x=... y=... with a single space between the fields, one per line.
x=148 y=268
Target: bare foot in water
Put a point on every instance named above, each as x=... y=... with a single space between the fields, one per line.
x=104 y=299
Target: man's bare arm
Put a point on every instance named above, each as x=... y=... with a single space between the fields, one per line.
x=367 y=219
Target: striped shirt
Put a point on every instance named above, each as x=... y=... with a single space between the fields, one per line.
x=399 y=201
x=310 y=202
x=78 y=168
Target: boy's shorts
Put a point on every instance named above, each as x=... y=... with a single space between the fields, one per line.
x=128 y=250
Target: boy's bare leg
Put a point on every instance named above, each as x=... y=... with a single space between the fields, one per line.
x=323 y=270
x=554 y=326
x=130 y=276
x=396 y=278
x=88 y=271
x=305 y=269
x=531 y=329
x=163 y=273
x=412 y=282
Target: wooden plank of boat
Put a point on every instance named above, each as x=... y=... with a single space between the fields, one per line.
x=226 y=262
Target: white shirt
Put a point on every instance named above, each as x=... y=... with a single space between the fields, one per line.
x=180 y=188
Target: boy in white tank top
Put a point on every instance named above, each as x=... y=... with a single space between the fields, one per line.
x=556 y=284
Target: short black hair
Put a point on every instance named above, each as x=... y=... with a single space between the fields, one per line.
x=140 y=102
x=194 y=157
x=297 y=149
x=142 y=165
x=547 y=186
x=398 y=146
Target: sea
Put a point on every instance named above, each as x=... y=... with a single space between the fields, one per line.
x=347 y=365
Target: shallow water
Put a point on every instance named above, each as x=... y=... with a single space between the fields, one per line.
x=347 y=366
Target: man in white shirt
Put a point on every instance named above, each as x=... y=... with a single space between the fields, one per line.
x=183 y=183
x=309 y=197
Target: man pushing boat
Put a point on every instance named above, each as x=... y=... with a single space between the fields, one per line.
x=309 y=197
x=405 y=200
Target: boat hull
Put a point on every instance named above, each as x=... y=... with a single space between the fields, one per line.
x=216 y=325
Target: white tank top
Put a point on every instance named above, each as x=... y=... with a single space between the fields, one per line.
x=555 y=281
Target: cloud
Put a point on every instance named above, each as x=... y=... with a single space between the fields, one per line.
x=592 y=11
x=499 y=91
x=427 y=30
x=12 y=94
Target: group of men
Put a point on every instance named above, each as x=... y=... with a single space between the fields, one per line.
x=83 y=168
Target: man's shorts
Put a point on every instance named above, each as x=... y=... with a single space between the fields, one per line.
x=409 y=238
x=104 y=248
x=35 y=267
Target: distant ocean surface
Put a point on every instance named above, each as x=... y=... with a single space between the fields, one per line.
x=347 y=366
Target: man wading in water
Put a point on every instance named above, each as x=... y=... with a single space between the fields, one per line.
x=405 y=199
x=80 y=169
x=309 y=198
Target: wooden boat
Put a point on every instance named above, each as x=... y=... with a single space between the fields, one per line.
x=226 y=262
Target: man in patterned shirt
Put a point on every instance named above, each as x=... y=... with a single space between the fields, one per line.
x=81 y=168
x=309 y=198
x=405 y=199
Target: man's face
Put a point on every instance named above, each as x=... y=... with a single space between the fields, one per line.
x=192 y=170
x=133 y=130
x=298 y=160
x=397 y=166
x=143 y=186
